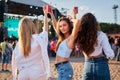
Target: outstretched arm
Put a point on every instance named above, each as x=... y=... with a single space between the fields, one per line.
x=76 y=26
x=45 y=27
x=54 y=22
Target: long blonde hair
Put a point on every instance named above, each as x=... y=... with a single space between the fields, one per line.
x=26 y=29
x=60 y=34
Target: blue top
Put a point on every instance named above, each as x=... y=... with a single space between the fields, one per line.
x=63 y=50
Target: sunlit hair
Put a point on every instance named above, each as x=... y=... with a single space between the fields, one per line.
x=87 y=36
x=60 y=34
x=26 y=29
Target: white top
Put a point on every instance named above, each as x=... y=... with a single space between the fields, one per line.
x=37 y=57
x=103 y=45
x=63 y=50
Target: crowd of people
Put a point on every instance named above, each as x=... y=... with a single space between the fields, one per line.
x=30 y=55
x=115 y=45
x=6 y=48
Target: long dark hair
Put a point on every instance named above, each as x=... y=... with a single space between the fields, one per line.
x=60 y=34
x=87 y=36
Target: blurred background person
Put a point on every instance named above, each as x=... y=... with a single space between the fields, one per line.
x=5 y=54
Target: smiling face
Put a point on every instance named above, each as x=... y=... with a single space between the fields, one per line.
x=64 y=27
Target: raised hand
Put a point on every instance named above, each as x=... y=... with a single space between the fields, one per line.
x=45 y=10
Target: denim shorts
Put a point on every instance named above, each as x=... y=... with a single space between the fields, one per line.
x=5 y=58
x=65 y=71
x=96 y=69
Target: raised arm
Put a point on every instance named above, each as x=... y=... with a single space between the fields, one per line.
x=54 y=22
x=76 y=25
x=74 y=13
x=45 y=27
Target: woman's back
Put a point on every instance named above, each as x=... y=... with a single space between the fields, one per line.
x=34 y=55
x=33 y=64
x=102 y=45
x=30 y=59
x=36 y=63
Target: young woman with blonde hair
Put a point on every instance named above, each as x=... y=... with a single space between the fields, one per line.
x=67 y=34
x=30 y=59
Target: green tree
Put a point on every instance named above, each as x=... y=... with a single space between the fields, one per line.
x=110 y=28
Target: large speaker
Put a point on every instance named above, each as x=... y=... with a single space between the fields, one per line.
x=2 y=11
x=1 y=17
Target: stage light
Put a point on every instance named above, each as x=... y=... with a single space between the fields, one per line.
x=36 y=8
x=31 y=6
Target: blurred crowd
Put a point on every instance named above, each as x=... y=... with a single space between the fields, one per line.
x=115 y=45
x=6 y=48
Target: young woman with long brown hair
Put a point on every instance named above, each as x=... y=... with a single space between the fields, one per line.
x=93 y=42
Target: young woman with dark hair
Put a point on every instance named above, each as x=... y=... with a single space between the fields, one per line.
x=93 y=42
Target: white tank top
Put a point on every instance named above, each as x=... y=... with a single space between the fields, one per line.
x=63 y=50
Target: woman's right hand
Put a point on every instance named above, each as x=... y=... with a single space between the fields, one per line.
x=52 y=15
x=45 y=28
x=74 y=13
x=51 y=12
x=44 y=10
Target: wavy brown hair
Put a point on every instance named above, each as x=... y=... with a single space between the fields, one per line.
x=87 y=35
x=26 y=29
x=60 y=34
